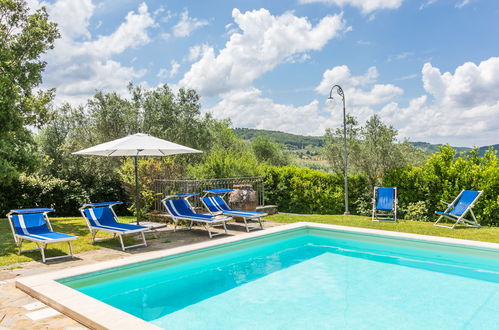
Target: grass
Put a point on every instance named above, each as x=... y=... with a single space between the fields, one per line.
x=486 y=234
x=71 y=225
x=76 y=226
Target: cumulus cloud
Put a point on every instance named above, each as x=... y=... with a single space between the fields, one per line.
x=248 y=108
x=264 y=41
x=366 y=6
x=356 y=93
x=169 y=73
x=187 y=25
x=81 y=63
x=460 y=108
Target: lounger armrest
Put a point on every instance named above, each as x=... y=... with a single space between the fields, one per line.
x=218 y=213
x=444 y=202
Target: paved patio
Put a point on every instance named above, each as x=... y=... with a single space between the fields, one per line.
x=20 y=311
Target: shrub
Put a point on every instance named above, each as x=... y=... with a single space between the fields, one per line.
x=45 y=191
x=301 y=190
x=443 y=176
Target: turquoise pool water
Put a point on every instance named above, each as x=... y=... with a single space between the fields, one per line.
x=312 y=279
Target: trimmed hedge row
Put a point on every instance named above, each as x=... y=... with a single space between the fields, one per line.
x=302 y=190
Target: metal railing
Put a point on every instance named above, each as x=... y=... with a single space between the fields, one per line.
x=164 y=188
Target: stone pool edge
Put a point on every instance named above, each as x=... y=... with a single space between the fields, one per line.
x=98 y=315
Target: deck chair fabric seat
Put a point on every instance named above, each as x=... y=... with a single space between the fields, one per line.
x=459 y=208
x=180 y=209
x=217 y=205
x=101 y=217
x=34 y=225
x=385 y=204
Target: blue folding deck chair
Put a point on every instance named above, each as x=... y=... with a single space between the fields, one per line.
x=216 y=205
x=180 y=209
x=101 y=217
x=457 y=210
x=385 y=204
x=34 y=225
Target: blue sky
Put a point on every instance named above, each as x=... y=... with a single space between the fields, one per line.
x=429 y=68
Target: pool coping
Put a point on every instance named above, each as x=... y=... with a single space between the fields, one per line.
x=98 y=315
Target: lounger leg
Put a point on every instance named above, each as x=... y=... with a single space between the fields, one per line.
x=94 y=233
x=70 y=249
x=42 y=250
x=121 y=241
x=208 y=229
x=19 y=245
x=174 y=225
x=246 y=224
x=144 y=238
x=225 y=228
x=190 y=226
x=438 y=220
x=261 y=223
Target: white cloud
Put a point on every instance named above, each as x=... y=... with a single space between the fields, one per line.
x=78 y=67
x=354 y=87
x=248 y=108
x=463 y=108
x=462 y=3
x=264 y=42
x=187 y=25
x=169 y=73
x=366 y=6
x=426 y=4
x=195 y=52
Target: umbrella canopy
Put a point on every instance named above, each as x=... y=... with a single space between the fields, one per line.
x=137 y=145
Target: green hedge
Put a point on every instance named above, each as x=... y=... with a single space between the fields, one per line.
x=420 y=189
x=66 y=196
x=301 y=190
x=442 y=177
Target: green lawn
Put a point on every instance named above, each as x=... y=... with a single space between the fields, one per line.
x=76 y=226
x=486 y=234
x=72 y=225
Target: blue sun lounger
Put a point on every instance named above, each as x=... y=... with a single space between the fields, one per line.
x=385 y=204
x=457 y=210
x=101 y=217
x=216 y=205
x=180 y=209
x=34 y=225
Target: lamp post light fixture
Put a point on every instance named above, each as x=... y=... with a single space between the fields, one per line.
x=339 y=90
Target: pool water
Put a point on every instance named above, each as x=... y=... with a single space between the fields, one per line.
x=318 y=280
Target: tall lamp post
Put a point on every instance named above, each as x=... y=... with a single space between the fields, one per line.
x=339 y=90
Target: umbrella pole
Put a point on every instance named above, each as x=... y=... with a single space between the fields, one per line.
x=136 y=188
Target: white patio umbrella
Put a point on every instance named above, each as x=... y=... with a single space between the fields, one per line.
x=134 y=146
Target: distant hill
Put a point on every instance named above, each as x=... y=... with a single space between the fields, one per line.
x=297 y=142
x=290 y=141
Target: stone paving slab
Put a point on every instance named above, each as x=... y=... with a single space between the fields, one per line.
x=13 y=314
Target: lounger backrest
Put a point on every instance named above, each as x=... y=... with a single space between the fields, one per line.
x=100 y=216
x=215 y=204
x=31 y=223
x=178 y=207
x=465 y=200
x=385 y=198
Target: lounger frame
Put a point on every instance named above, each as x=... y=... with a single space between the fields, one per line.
x=119 y=233
x=234 y=214
x=459 y=219
x=208 y=224
x=42 y=244
x=385 y=216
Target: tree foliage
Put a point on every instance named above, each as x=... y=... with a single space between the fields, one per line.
x=443 y=177
x=269 y=152
x=373 y=149
x=24 y=38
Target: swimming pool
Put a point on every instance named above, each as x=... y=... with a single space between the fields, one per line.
x=308 y=277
